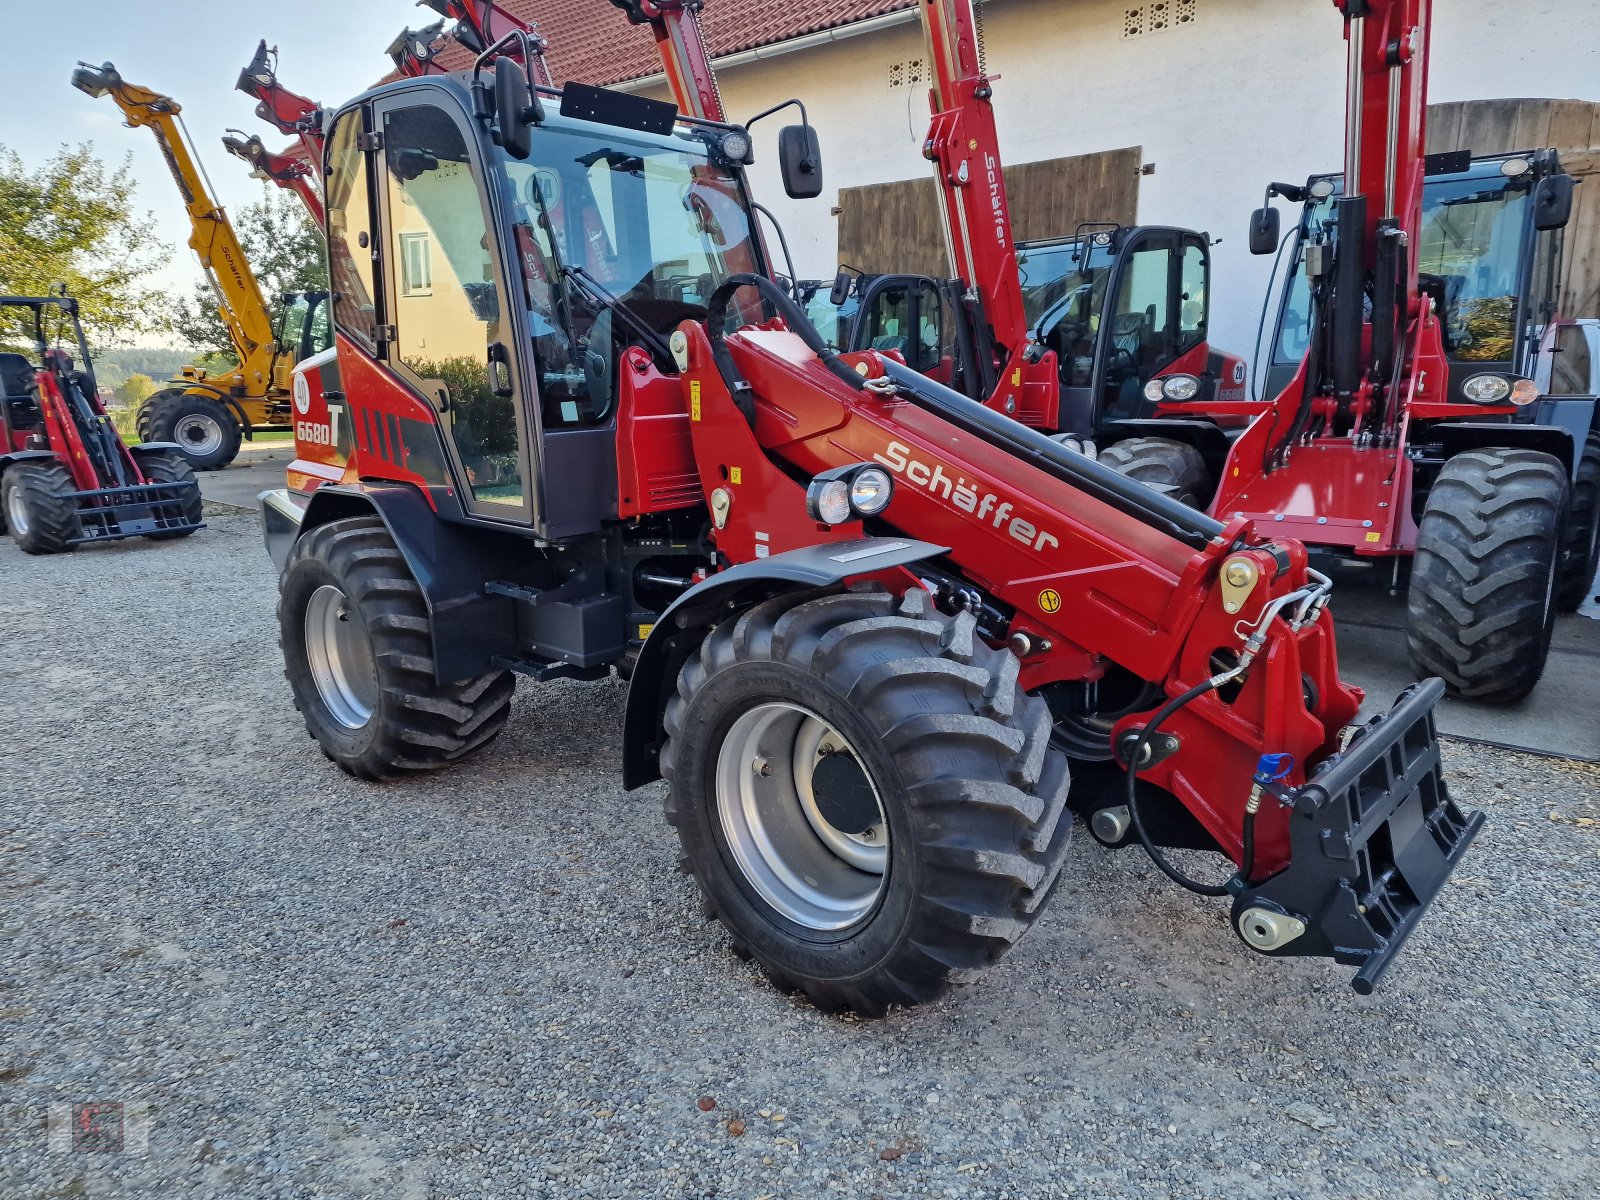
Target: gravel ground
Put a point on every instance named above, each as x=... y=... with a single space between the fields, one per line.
x=493 y=983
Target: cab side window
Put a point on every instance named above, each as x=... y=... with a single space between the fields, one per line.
x=446 y=306
x=350 y=232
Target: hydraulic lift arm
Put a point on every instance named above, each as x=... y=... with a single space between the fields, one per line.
x=290 y=114
x=479 y=24
x=675 y=24
x=243 y=308
x=290 y=173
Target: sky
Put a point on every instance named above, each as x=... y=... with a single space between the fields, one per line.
x=193 y=50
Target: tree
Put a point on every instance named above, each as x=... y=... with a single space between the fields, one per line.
x=72 y=222
x=135 y=390
x=285 y=251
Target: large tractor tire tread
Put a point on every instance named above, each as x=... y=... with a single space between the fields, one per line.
x=1175 y=469
x=1581 y=549
x=168 y=466
x=46 y=489
x=417 y=724
x=160 y=416
x=979 y=826
x=1480 y=609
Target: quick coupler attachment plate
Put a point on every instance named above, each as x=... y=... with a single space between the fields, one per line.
x=142 y=510
x=1373 y=835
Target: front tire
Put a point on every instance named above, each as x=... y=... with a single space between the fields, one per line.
x=206 y=433
x=168 y=466
x=358 y=655
x=1481 y=606
x=1173 y=468
x=40 y=513
x=867 y=799
x=1580 y=553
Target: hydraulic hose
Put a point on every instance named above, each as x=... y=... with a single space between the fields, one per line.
x=1132 y=779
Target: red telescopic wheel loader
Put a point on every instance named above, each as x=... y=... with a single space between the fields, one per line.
x=1404 y=427
x=578 y=428
x=66 y=477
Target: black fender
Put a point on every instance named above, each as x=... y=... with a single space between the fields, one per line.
x=1204 y=436
x=680 y=630
x=450 y=559
x=144 y=448
x=1552 y=439
x=1578 y=415
x=17 y=456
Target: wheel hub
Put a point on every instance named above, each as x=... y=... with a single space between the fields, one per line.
x=197 y=433
x=801 y=817
x=17 y=511
x=340 y=656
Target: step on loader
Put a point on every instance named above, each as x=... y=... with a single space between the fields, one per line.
x=66 y=477
x=578 y=428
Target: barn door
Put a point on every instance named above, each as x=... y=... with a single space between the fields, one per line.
x=895 y=227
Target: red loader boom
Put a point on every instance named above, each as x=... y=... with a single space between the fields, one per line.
x=292 y=174
x=866 y=619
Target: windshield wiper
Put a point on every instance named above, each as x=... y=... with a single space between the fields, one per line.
x=598 y=291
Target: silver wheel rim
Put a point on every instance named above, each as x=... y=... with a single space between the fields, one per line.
x=197 y=433
x=340 y=656
x=812 y=872
x=17 y=510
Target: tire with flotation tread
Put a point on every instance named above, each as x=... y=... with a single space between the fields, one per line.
x=158 y=419
x=1175 y=469
x=973 y=795
x=44 y=488
x=1481 y=605
x=417 y=723
x=1580 y=552
x=168 y=466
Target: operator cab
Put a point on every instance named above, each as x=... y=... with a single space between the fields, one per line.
x=31 y=332
x=521 y=276
x=1490 y=255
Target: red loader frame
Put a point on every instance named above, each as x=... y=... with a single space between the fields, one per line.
x=67 y=476
x=712 y=460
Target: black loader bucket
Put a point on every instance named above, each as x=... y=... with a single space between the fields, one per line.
x=1373 y=836
x=145 y=509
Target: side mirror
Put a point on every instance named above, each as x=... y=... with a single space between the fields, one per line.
x=800 y=161
x=1552 y=202
x=512 y=119
x=1265 y=227
x=842 y=283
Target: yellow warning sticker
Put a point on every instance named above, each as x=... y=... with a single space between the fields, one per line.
x=694 y=400
x=644 y=631
x=1374 y=537
x=1016 y=377
x=1050 y=601
x=735 y=474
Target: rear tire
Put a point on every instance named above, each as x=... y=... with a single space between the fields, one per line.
x=206 y=433
x=358 y=654
x=1481 y=605
x=1580 y=552
x=168 y=466
x=40 y=513
x=1175 y=469
x=971 y=820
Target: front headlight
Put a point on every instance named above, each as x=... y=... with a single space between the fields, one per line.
x=844 y=493
x=1180 y=387
x=1177 y=388
x=828 y=501
x=870 y=491
x=1487 y=389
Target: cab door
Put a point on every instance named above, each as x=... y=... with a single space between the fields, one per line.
x=449 y=335
x=1149 y=322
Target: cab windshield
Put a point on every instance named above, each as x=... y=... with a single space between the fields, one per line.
x=1054 y=278
x=623 y=237
x=1473 y=232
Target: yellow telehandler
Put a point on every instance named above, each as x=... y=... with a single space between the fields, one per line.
x=207 y=414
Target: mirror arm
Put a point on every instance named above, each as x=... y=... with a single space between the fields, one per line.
x=778 y=108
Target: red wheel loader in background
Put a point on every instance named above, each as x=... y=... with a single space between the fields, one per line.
x=66 y=477
x=578 y=428
x=1407 y=429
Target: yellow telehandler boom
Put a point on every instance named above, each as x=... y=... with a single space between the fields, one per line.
x=207 y=414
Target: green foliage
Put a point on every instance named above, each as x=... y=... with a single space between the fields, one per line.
x=72 y=221
x=116 y=363
x=285 y=251
x=136 y=389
